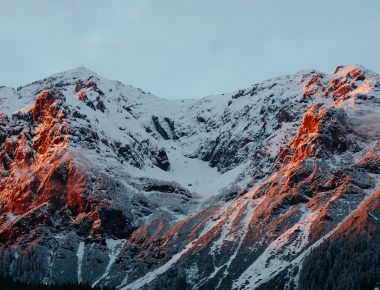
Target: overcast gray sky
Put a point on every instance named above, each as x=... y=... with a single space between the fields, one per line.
x=185 y=48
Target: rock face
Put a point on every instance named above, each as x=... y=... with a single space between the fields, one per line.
x=271 y=187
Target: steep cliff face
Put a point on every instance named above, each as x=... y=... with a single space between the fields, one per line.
x=107 y=184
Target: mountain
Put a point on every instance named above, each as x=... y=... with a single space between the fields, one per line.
x=271 y=187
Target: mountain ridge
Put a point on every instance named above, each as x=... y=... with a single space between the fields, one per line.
x=111 y=185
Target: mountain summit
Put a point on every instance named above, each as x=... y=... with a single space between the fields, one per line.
x=271 y=187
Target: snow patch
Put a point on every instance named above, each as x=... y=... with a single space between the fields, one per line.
x=80 y=254
x=193 y=174
x=114 y=249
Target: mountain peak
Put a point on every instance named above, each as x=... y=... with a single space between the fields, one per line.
x=77 y=72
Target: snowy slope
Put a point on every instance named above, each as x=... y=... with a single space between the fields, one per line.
x=198 y=125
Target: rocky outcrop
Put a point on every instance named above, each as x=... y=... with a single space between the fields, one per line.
x=159 y=128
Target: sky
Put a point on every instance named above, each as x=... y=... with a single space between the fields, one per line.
x=185 y=48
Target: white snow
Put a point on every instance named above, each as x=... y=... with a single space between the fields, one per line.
x=149 y=277
x=373 y=216
x=11 y=101
x=227 y=235
x=224 y=213
x=80 y=254
x=117 y=124
x=272 y=261
x=194 y=174
x=114 y=249
x=11 y=216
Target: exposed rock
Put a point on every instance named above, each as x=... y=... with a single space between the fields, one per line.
x=159 y=128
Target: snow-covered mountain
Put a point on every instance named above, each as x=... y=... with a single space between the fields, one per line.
x=271 y=187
